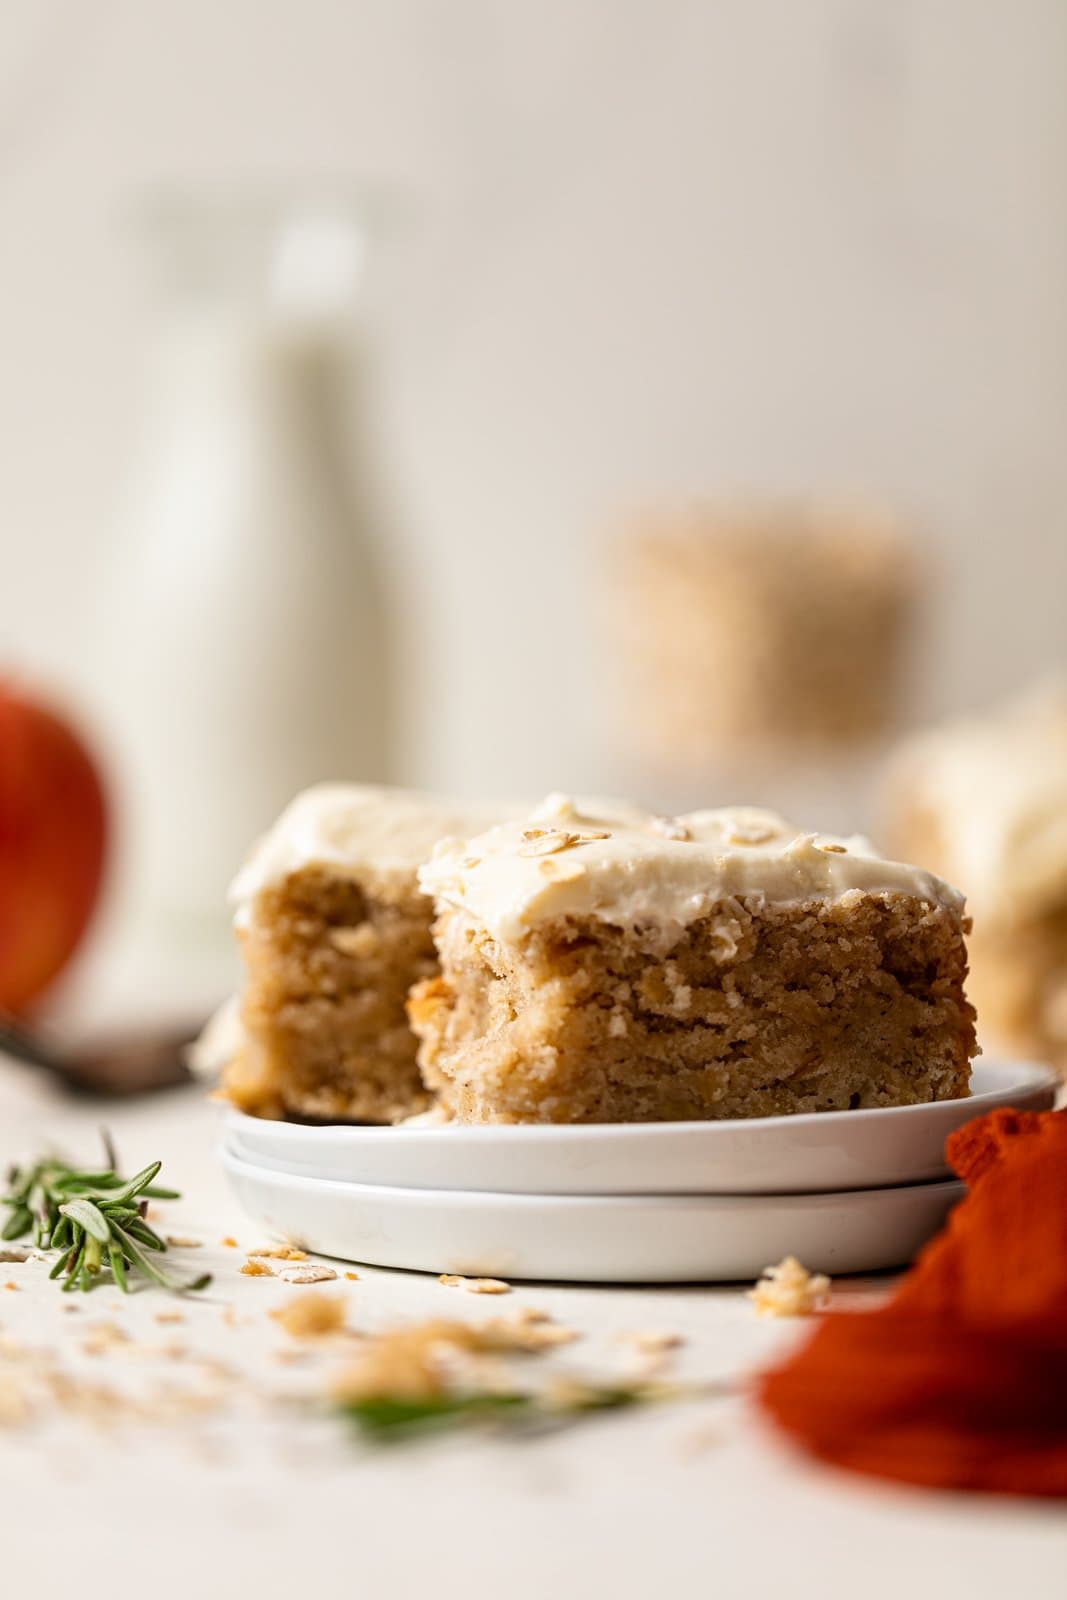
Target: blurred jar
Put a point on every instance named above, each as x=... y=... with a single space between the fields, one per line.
x=761 y=651
x=245 y=644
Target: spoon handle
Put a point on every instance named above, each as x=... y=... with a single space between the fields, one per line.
x=24 y=1044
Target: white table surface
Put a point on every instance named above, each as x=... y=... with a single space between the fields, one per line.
x=694 y=1497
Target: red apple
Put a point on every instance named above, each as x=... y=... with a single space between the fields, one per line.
x=53 y=835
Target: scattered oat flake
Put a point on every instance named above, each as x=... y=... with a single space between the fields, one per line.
x=15 y=1252
x=304 y=1272
x=789 y=1290
x=229 y=1241
x=654 y=1341
x=528 y=1314
x=749 y=836
x=669 y=828
x=182 y=1241
x=211 y=1367
x=256 y=1269
x=16 y=1406
x=170 y=1316
x=280 y=1252
x=453 y=1280
x=546 y=844
x=698 y=1442
x=105 y=1337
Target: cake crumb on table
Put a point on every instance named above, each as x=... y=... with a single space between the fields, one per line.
x=652 y=1352
x=256 y=1269
x=229 y=1241
x=353 y=1277
x=312 y=1315
x=789 y=1290
x=528 y=1333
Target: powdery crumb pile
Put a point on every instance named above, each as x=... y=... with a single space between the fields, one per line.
x=312 y=1316
x=427 y=1360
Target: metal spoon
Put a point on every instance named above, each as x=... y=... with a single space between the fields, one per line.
x=119 y=1065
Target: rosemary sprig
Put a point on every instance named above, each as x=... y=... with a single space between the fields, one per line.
x=386 y=1418
x=97 y=1221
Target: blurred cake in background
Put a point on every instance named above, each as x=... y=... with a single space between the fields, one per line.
x=983 y=802
x=761 y=628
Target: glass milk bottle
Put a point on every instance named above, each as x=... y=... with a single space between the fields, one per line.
x=245 y=648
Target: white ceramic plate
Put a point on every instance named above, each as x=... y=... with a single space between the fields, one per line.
x=762 y=1155
x=591 y=1238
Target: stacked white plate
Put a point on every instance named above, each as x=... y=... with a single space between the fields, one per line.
x=668 y=1202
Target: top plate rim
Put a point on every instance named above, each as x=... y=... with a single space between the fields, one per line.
x=1020 y=1077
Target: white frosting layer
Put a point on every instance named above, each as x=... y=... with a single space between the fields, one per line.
x=996 y=786
x=378 y=835
x=632 y=868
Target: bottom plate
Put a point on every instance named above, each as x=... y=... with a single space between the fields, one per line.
x=591 y=1238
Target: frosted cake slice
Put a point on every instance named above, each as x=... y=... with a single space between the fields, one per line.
x=721 y=964
x=334 y=930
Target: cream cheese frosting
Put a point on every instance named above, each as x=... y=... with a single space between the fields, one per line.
x=380 y=835
x=633 y=868
x=996 y=786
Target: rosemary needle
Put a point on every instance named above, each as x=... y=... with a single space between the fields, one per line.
x=95 y=1220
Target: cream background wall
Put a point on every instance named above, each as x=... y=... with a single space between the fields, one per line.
x=648 y=246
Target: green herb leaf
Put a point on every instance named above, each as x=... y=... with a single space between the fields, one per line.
x=19 y=1222
x=385 y=1418
x=389 y=1416
x=118 y=1267
x=94 y=1219
x=87 y=1216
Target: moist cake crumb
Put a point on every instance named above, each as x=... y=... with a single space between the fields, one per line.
x=256 y=1269
x=789 y=1290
